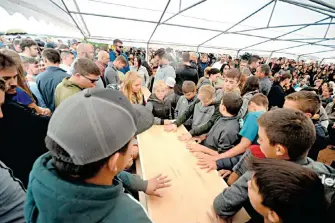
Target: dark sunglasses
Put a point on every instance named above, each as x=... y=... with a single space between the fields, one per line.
x=92 y=80
x=120 y=47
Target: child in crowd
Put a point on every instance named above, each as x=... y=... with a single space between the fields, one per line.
x=171 y=95
x=309 y=103
x=201 y=111
x=131 y=88
x=232 y=81
x=291 y=193
x=225 y=133
x=326 y=98
x=258 y=104
x=285 y=134
x=189 y=91
x=212 y=76
x=158 y=105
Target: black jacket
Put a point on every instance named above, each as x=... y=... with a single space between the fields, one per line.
x=160 y=109
x=276 y=96
x=321 y=141
x=22 y=134
x=185 y=73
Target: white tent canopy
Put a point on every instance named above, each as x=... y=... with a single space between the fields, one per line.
x=303 y=28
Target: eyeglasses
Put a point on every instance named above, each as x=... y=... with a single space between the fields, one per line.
x=92 y=80
x=120 y=47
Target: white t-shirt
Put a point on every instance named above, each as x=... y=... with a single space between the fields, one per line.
x=217 y=65
x=64 y=67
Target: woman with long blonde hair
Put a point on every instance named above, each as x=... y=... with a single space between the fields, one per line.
x=131 y=88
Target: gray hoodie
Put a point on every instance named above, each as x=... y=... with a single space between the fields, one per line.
x=181 y=107
x=142 y=71
x=202 y=114
x=246 y=98
x=111 y=75
x=224 y=134
x=163 y=72
x=231 y=200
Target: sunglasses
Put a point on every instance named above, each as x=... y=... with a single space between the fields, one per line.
x=92 y=80
x=120 y=47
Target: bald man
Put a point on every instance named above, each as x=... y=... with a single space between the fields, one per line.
x=102 y=62
x=85 y=50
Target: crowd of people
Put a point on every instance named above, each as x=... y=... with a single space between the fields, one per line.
x=70 y=115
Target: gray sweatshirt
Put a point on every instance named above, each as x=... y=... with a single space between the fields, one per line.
x=224 y=134
x=111 y=75
x=181 y=107
x=246 y=98
x=202 y=114
x=12 y=196
x=142 y=71
x=231 y=200
x=163 y=72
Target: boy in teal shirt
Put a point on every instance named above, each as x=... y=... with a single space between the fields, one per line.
x=258 y=104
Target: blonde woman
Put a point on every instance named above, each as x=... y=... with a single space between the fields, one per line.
x=131 y=88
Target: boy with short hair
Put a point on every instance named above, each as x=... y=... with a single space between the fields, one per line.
x=291 y=193
x=189 y=90
x=224 y=134
x=201 y=111
x=309 y=103
x=232 y=80
x=258 y=104
x=285 y=134
x=159 y=105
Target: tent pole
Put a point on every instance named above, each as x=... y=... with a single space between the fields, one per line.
x=181 y=11
x=68 y=12
x=310 y=7
x=273 y=9
x=292 y=25
x=81 y=17
x=238 y=52
x=323 y=4
x=269 y=57
x=238 y=22
x=284 y=34
x=322 y=51
x=147 y=54
x=331 y=20
x=160 y=19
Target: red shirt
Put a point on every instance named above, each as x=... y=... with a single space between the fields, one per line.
x=256 y=151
